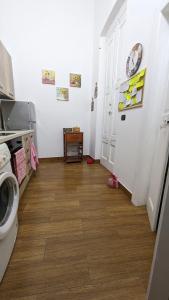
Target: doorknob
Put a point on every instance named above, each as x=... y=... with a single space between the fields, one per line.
x=110 y=113
x=165 y=121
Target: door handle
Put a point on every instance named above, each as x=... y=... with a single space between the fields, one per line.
x=164 y=123
x=110 y=113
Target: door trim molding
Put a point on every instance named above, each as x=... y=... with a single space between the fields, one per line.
x=157 y=90
x=115 y=10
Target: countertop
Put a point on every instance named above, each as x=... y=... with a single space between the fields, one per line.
x=14 y=134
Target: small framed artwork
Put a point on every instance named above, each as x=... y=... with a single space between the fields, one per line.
x=48 y=77
x=75 y=80
x=62 y=94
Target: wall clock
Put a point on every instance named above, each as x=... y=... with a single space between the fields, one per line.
x=134 y=59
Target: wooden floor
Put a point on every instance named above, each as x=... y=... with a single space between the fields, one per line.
x=78 y=239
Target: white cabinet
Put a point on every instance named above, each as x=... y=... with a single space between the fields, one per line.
x=6 y=74
x=9 y=84
x=2 y=71
x=26 y=143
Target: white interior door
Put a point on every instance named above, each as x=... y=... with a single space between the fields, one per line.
x=159 y=168
x=113 y=51
x=161 y=147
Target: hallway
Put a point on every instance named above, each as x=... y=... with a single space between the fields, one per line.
x=78 y=239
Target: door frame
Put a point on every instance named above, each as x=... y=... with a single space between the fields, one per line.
x=158 y=77
x=101 y=71
x=158 y=287
x=119 y=12
x=158 y=169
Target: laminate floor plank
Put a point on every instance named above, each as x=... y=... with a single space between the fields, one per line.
x=78 y=239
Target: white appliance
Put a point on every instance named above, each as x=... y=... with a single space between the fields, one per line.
x=9 y=200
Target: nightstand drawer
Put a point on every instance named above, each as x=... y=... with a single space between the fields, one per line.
x=74 y=137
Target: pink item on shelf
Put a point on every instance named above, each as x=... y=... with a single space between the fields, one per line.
x=20 y=164
x=19 y=156
x=34 y=157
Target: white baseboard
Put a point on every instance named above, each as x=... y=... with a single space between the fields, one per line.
x=150 y=211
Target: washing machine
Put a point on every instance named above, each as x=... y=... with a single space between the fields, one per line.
x=9 y=200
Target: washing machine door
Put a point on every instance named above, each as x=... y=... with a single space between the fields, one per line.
x=9 y=200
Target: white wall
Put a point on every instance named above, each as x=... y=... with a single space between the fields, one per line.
x=131 y=143
x=57 y=35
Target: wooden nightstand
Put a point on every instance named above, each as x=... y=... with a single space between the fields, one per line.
x=73 y=146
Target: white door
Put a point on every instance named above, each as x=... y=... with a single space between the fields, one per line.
x=158 y=287
x=159 y=168
x=114 y=54
x=161 y=148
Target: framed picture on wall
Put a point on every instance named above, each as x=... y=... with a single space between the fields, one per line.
x=75 y=80
x=62 y=94
x=48 y=77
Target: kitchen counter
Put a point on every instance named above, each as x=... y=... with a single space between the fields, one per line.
x=12 y=134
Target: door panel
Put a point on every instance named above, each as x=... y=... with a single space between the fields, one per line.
x=158 y=287
x=112 y=154
x=158 y=172
x=113 y=45
x=104 y=150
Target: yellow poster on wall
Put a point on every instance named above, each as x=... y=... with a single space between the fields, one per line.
x=131 y=92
